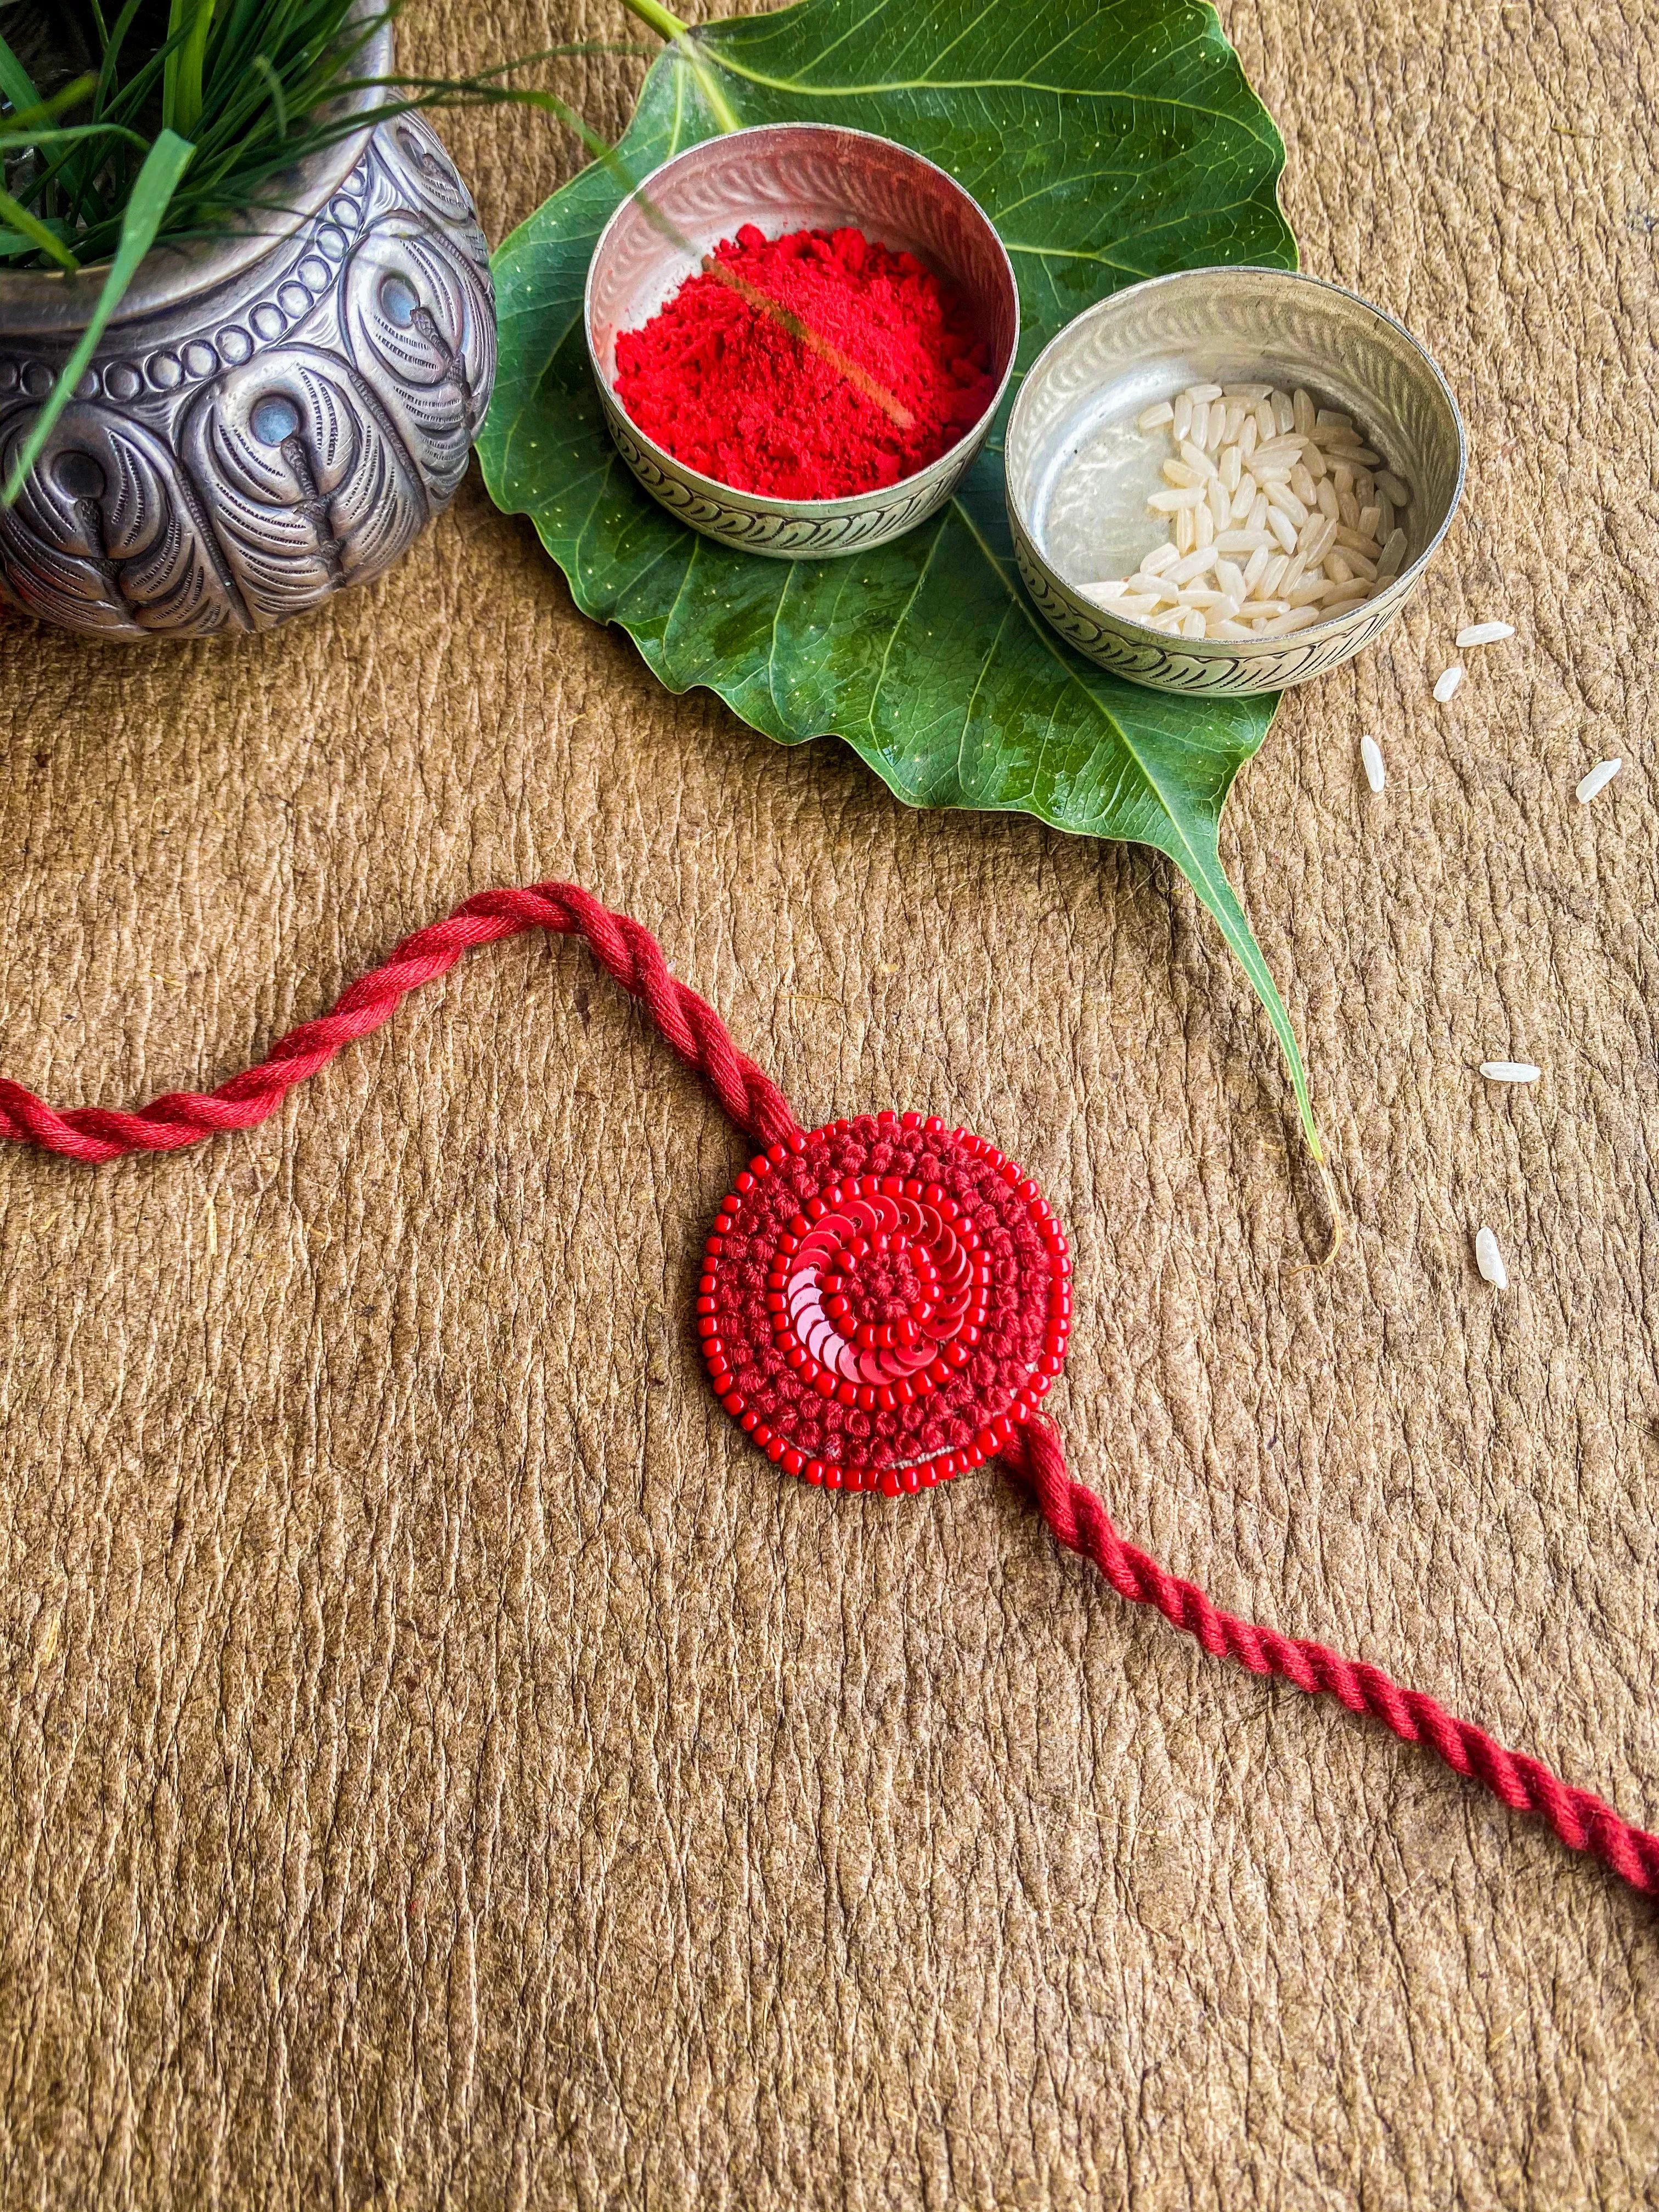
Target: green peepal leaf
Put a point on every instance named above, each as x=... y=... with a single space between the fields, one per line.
x=1107 y=143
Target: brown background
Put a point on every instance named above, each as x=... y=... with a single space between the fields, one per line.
x=443 y=1764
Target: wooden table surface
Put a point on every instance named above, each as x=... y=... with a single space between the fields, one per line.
x=445 y=1765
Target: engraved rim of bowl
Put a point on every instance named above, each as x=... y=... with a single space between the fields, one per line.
x=754 y=502
x=1219 y=648
x=50 y=303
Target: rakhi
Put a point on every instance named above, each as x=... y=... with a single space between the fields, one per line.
x=884 y=1304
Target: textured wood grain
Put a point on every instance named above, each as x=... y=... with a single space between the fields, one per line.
x=444 y=1765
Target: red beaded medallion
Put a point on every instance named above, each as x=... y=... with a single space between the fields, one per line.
x=883 y=1302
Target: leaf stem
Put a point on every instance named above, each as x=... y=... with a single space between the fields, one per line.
x=680 y=35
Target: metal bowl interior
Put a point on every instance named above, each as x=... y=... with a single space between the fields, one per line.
x=1079 y=471
x=786 y=177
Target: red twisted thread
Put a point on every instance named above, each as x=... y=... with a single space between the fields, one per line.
x=94 y=1133
x=1582 y=1821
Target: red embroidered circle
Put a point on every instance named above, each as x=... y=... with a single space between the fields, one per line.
x=883 y=1302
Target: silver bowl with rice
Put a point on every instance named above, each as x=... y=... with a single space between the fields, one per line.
x=1092 y=438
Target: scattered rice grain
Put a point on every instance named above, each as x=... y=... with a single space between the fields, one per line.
x=1448 y=682
x=1486 y=632
x=1598 y=780
x=1490 y=1260
x=1371 y=754
x=1511 y=1070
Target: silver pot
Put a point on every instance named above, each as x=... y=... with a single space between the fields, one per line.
x=273 y=416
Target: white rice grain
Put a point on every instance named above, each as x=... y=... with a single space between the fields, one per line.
x=1156 y=417
x=1448 y=682
x=1490 y=1260
x=1191 y=566
x=1598 y=780
x=1231 y=577
x=1511 y=1070
x=1486 y=632
x=1297 y=618
x=1201 y=394
x=1371 y=754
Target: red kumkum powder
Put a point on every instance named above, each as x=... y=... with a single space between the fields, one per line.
x=727 y=388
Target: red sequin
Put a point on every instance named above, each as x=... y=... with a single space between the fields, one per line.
x=883 y=1301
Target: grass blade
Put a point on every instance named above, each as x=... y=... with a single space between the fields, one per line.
x=152 y=192
x=16 y=82
x=47 y=241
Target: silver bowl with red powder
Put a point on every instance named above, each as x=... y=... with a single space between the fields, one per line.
x=782 y=179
